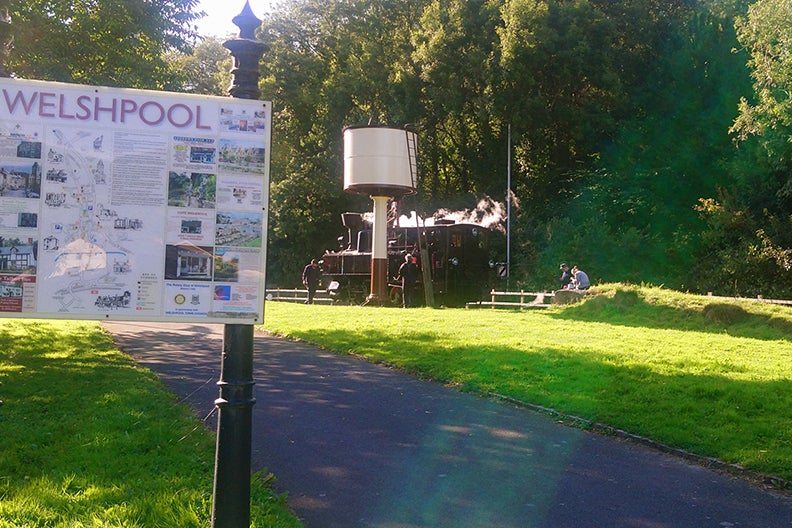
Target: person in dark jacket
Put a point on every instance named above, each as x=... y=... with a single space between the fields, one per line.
x=408 y=273
x=566 y=276
x=310 y=279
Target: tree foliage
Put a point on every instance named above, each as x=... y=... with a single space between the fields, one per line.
x=205 y=69
x=669 y=152
x=749 y=240
x=651 y=139
x=767 y=34
x=107 y=42
x=329 y=65
x=619 y=113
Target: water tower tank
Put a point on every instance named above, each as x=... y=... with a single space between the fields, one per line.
x=379 y=161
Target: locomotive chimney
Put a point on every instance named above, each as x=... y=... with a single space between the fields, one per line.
x=380 y=162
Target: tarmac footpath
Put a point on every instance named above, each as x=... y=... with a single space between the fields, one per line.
x=360 y=445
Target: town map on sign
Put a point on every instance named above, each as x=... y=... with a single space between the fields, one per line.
x=92 y=248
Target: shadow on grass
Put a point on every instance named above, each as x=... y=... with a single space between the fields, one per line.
x=544 y=375
x=699 y=406
x=630 y=308
x=86 y=435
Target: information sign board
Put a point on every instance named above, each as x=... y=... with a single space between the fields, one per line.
x=132 y=204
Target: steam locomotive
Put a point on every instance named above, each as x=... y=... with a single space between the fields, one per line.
x=456 y=256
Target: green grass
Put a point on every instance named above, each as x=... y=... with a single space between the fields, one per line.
x=91 y=440
x=696 y=373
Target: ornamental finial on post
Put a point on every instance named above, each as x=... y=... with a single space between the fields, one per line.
x=247 y=52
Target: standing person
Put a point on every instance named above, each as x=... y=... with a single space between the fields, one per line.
x=566 y=276
x=580 y=280
x=408 y=273
x=310 y=279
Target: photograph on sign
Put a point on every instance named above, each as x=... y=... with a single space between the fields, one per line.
x=131 y=204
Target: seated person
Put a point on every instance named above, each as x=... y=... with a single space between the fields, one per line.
x=566 y=276
x=580 y=280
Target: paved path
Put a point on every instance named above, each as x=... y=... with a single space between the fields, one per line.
x=359 y=445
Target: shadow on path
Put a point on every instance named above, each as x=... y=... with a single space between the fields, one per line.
x=360 y=445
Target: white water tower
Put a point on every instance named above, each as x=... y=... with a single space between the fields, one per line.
x=380 y=162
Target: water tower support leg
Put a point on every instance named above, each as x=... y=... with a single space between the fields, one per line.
x=379 y=251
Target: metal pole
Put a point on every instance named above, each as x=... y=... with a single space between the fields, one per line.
x=231 y=504
x=508 y=208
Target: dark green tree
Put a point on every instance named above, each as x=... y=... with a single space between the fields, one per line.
x=619 y=114
x=458 y=61
x=632 y=215
x=205 y=69
x=561 y=86
x=328 y=65
x=748 y=246
x=106 y=42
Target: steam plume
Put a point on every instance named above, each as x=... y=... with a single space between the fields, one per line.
x=488 y=213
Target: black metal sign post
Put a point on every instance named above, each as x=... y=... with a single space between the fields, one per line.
x=231 y=504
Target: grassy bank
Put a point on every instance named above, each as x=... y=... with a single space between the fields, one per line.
x=91 y=440
x=700 y=374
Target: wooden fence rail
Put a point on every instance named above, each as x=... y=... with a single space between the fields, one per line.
x=498 y=299
x=521 y=299
x=297 y=295
x=758 y=298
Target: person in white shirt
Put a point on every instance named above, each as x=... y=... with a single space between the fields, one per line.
x=580 y=280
